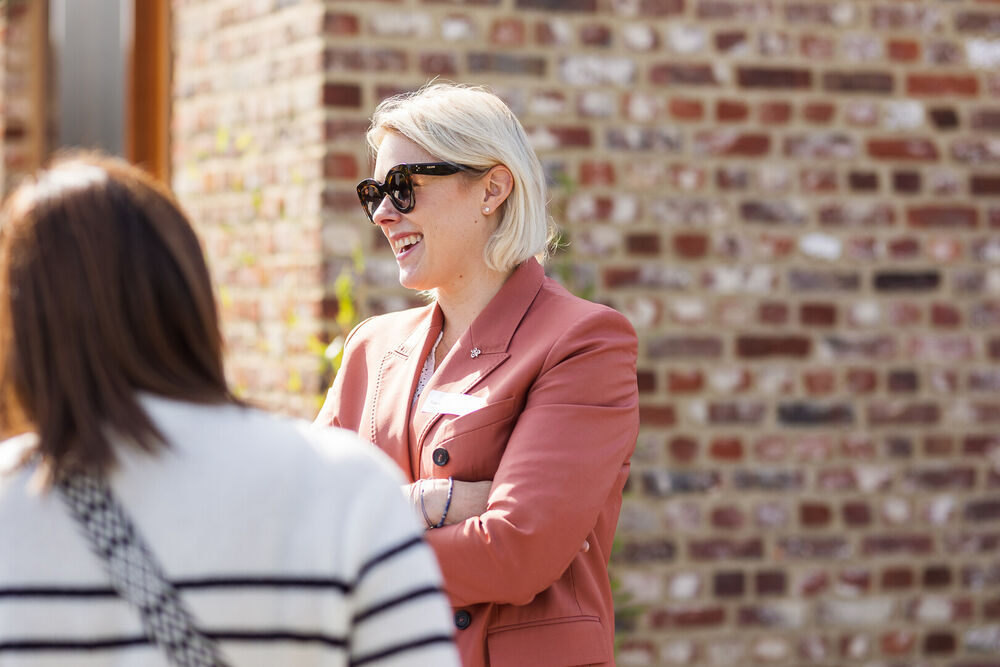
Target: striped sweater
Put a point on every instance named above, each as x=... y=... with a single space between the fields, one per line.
x=291 y=545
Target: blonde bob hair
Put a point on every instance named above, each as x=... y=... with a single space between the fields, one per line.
x=470 y=126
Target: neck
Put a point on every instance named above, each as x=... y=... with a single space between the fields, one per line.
x=462 y=306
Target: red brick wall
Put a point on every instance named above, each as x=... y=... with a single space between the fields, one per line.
x=796 y=203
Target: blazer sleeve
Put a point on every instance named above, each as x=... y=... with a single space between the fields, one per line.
x=335 y=412
x=576 y=432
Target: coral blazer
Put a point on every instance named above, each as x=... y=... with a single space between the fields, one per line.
x=554 y=422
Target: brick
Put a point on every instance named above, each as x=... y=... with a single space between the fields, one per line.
x=809 y=281
x=942 y=217
x=818 y=314
x=896 y=578
x=686 y=109
x=902 y=381
x=341 y=95
x=985 y=185
x=730 y=111
x=813 y=515
x=595 y=35
x=508 y=32
x=941 y=85
x=903 y=50
x=731 y=144
x=944 y=118
x=982 y=510
x=690 y=246
x=730 y=41
x=726 y=549
x=505 y=63
x=937 y=576
x=810 y=548
x=975 y=151
x=906 y=182
x=693 y=617
x=674 y=74
x=685 y=381
x=986 y=120
x=858 y=82
x=728 y=584
x=803 y=413
x=727 y=518
x=648 y=551
x=774 y=113
x=683 y=449
x=978 y=21
x=756 y=347
x=902 y=149
x=936 y=643
x=438 y=64
x=657 y=415
x=558 y=5
x=820 y=145
x=770 y=582
x=906 y=280
x=337 y=24
x=779 y=78
x=726 y=449
x=882 y=413
x=769 y=480
x=818 y=113
x=856 y=513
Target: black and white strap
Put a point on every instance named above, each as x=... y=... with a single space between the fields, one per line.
x=135 y=573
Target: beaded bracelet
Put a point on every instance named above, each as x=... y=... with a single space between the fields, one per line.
x=447 y=502
x=423 y=510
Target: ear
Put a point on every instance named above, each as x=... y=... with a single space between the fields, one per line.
x=499 y=182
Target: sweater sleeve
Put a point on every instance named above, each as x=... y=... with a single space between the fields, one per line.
x=399 y=614
x=566 y=454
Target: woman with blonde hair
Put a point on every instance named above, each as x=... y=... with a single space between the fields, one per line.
x=510 y=404
x=149 y=517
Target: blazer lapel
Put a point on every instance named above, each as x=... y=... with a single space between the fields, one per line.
x=483 y=346
x=395 y=382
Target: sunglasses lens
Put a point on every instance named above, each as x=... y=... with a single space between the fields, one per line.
x=400 y=189
x=370 y=197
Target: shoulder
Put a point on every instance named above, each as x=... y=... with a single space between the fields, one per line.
x=343 y=449
x=557 y=307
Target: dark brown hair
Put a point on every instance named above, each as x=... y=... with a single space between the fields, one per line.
x=104 y=292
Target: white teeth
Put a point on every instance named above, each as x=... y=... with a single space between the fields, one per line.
x=404 y=241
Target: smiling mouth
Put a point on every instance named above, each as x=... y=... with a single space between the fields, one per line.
x=404 y=243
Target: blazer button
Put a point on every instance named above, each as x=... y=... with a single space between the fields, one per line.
x=440 y=456
x=462 y=619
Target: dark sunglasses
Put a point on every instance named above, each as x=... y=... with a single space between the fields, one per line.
x=398 y=185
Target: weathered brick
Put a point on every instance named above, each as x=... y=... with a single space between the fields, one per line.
x=903 y=149
x=858 y=82
x=941 y=85
x=773 y=77
x=675 y=74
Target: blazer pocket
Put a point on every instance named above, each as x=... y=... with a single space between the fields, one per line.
x=562 y=642
x=485 y=416
x=475 y=443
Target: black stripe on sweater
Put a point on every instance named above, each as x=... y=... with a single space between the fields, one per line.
x=392 y=602
x=104 y=643
x=181 y=584
x=399 y=648
x=387 y=554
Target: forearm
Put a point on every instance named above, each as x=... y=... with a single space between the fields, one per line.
x=430 y=496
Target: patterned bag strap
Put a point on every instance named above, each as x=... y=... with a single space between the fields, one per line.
x=135 y=573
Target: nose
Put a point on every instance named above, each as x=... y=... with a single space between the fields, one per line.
x=385 y=213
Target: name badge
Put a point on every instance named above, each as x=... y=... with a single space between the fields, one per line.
x=443 y=403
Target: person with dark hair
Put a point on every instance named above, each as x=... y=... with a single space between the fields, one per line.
x=148 y=516
x=510 y=404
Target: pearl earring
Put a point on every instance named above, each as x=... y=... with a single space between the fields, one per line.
x=486 y=209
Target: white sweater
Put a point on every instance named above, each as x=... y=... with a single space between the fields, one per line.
x=290 y=544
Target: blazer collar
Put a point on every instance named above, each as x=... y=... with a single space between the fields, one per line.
x=492 y=330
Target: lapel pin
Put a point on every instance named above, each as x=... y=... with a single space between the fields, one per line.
x=475 y=353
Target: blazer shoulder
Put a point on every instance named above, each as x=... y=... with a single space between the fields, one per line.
x=556 y=303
